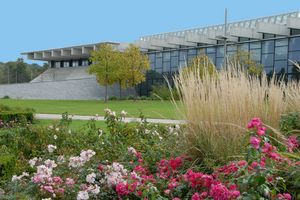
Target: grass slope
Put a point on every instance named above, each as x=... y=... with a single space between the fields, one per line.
x=151 y=109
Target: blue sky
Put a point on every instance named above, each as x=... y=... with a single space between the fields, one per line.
x=28 y=25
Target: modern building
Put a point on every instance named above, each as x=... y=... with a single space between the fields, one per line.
x=271 y=41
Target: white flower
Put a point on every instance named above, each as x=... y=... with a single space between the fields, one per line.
x=50 y=163
x=82 y=195
x=123 y=113
x=57 y=129
x=60 y=159
x=69 y=131
x=33 y=161
x=100 y=132
x=51 y=148
x=44 y=170
x=131 y=150
x=55 y=137
x=94 y=189
x=15 y=178
x=47 y=199
x=177 y=127
x=160 y=137
x=50 y=127
x=90 y=178
x=76 y=161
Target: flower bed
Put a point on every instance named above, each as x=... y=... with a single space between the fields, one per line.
x=264 y=172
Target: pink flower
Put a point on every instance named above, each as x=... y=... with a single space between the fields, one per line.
x=167 y=192
x=261 y=131
x=196 y=196
x=284 y=196
x=175 y=163
x=219 y=192
x=70 y=181
x=122 y=189
x=267 y=148
x=176 y=198
x=254 y=123
x=255 y=142
x=292 y=143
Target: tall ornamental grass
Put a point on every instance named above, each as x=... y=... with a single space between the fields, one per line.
x=218 y=106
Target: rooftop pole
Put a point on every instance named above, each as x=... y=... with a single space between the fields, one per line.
x=225 y=40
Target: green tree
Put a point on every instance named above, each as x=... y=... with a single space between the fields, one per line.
x=245 y=59
x=201 y=64
x=104 y=66
x=136 y=64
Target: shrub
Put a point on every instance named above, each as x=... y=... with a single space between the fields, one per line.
x=215 y=106
x=130 y=97
x=143 y=98
x=113 y=98
x=5 y=97
x=18 y=117
x=163 y=92
x=290 y=122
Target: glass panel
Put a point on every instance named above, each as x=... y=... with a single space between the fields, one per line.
x=212 y=56
x=281 y=42
x=174 y=69
x=294 y=56
x=201 y=51
x=166 y=66
x=220 y=51
x=182 y=64
x=152 y=65
x=268 y=46
x=281 y=53
x=57 y=64
x=231 y=48
x=293 y=69
x=280 y=66
x=295 y=31
x=255 y=54
x=158 y=54
x=219 y=63
x=66 y=64
x=269 y=70
x=85 y=63
x=75 y=63
x=183 y=55
x=151 y=57
x=166 y=56
x=159 y=70
x=174 y=53
x=267 y=59
x=243 y=47
x=174 y=61
x=255 y=45
x=192 y=51
x=294 y=44
x=267 y=35
x=158 y=63
x=211 y=50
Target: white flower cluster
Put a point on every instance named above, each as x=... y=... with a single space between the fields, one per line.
x=132 y=150
x=51 y=148
x=84 y=194
x=90 y=178
x=79 y=161
x=50 y=164
x=114 y=174
x=109 y=112
x=32 y=162
x=123 y=113
x=17 y=178
x=174 y=130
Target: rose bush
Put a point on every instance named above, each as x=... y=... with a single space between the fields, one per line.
x=266 y=172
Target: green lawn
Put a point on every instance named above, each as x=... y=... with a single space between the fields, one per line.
x=151 y=109
x=75 y=124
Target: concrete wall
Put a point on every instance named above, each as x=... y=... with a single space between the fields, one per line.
x=86 y=88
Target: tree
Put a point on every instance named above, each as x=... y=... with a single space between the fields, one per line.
x=245 y=60
x=121 y=71
x=201 y=64
x=104 y=65
x=136 y=65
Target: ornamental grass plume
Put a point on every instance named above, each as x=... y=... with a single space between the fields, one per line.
x=217 y=107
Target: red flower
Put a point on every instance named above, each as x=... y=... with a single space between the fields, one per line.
x=122 y=189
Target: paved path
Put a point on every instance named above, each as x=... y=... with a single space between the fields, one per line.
x=101 y=118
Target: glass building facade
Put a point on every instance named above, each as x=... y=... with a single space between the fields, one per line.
x=273 y=52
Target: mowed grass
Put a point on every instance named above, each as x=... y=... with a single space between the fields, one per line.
x=151 y=109
x=75 y=124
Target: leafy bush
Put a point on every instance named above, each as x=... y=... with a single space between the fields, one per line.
x=113 y=98
x=162 y=91
x=5 y=97
x=290 y=122
x=130 y=97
